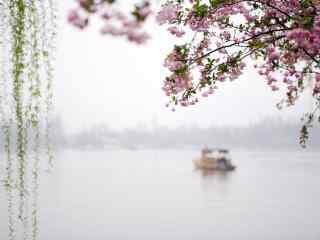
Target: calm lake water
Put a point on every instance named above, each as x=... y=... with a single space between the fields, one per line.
x=140 y=195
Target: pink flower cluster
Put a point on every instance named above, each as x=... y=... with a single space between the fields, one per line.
x=180 y=78
x=176 y=32
x=115 y=21
x=168 y=14
x=282 y=37
x=76 y=20
x=316 y=89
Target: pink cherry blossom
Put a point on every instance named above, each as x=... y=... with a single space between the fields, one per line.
x=167 y=14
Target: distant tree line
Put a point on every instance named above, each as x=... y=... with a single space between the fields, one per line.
x=268 y=134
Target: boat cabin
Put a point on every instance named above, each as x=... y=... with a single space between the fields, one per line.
x=216 y=159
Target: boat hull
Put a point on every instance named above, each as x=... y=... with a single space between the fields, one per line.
x=211 y=164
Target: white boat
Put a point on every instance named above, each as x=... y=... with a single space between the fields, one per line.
x=214 y=159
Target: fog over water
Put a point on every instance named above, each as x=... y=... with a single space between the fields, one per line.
x=157 y=194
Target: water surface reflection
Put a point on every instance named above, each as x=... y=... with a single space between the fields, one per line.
x=158 y=195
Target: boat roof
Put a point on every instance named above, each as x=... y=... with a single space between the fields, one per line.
x=210 y=150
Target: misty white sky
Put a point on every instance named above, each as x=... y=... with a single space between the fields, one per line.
x=105 y=80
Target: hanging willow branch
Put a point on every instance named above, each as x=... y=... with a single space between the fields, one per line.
x=4 y=115
x=27 y=39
